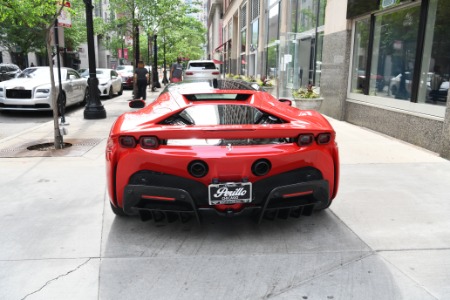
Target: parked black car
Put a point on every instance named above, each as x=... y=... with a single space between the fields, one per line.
x=8 y=71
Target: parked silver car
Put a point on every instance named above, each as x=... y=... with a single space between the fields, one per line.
x=201 y=69
x=31 y=90
x=8 y=71
x=109 y=82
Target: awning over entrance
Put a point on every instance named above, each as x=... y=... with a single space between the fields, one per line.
x=217 y=62
x=220 y=48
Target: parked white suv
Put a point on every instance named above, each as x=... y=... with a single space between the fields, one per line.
x=201 y=69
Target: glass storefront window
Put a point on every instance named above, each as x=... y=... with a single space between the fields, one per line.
x=255 y=32
x=302 y=52
x=272 y=2
x=360 y=52
x=272 y=35
x=318 y=70
x=243 y=40
x=272 y=59
x=394 y=53
x=243 y=64
x=435 y=73
x=273 y=41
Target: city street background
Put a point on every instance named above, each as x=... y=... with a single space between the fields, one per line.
x=386 y=235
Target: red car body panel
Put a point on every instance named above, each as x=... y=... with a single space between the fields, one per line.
x=225 y=163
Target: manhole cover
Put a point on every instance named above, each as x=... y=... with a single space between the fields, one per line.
x=47 y=146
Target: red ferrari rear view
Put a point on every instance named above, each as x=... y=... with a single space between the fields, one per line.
x=222 y=146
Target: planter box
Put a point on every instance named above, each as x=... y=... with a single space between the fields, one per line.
x=312 y=103
x=271 y=90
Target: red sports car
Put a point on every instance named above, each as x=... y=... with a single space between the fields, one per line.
x=220 y=145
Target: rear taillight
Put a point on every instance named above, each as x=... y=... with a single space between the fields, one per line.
x=215 y=73
x=149 y=142
x=127 y=141
x=323 y=138
x=308 y=139
x=189 y=73
x=305 y=139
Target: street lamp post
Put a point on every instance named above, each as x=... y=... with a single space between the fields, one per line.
x=123 y=53
x=155 y=81
x=165 y=81
x=94 y=108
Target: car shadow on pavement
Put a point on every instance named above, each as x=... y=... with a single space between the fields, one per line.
x=322 y=231
x=237 y=258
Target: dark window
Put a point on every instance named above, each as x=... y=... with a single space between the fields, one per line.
x=202 y=65
x=361 y=7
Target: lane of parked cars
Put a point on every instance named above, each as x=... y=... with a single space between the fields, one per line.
x=30 y=89
x=109 y=82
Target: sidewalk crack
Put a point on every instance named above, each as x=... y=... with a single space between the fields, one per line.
x=56 y=278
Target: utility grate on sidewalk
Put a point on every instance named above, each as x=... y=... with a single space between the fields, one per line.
x=78 y=147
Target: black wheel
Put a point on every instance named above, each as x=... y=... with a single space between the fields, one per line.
x=62 y=103
x=117 y=211
x=110 y=93
x=322 y=207
x=86 y=97
x=120 y=91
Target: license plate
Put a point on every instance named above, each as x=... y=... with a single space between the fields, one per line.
x=230 y=193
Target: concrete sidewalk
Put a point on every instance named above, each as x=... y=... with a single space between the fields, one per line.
x=386 y=236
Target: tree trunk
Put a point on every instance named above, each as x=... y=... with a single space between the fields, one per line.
x=58 y=142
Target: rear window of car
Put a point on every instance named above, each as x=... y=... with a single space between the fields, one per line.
x=221 y=115
x=125 y=67
x=202 y=66
x=217 y=96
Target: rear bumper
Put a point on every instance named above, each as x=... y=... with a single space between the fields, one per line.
x=168 y=203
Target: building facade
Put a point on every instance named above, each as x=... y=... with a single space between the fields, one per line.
x=381 y=64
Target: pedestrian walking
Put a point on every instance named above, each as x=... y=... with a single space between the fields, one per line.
x=141 y=79
x=176 y=71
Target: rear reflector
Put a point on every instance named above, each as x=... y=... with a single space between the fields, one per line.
x=149 y=197
x=297 y=194
x=189 y=73
x=127 y=141
x=305 y=139
x=323 y=138
x=149 y=142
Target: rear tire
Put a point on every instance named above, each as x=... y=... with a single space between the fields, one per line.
x=323 y=206
x=120 y=91
x=86 y=97
x=117 y=211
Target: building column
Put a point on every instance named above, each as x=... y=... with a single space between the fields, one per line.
x=335 y=73
x=445 y=145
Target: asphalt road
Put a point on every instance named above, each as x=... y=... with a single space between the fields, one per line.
x=386 y=236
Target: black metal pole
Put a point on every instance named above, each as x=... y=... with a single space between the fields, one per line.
x=122 y=38
x=155 y=81
x=123 y=54
x=137 y=55
x=94 y=108
x=165 y=80
x=148 y=48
